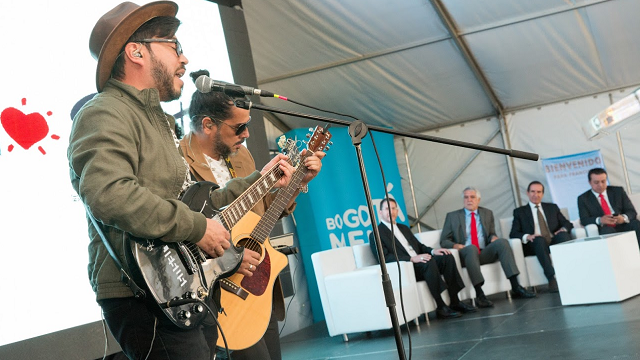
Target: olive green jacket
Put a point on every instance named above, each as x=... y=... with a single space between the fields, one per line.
x=126 y=168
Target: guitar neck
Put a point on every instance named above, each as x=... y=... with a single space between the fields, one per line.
x=268 y=220
x=245 y=202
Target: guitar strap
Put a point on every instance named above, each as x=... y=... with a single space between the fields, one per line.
x=125 y=278
x=230 y=167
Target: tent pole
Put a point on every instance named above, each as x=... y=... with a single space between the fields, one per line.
x=625 y=171
x=413 y=193
x=510 y=163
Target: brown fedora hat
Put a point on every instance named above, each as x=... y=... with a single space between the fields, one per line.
x=114 y=28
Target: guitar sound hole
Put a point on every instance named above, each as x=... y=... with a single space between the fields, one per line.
x=251 y=244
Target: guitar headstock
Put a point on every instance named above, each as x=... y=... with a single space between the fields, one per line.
x=290 y=148
x=319 y=140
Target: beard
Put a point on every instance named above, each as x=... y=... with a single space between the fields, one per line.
x=164 y=81
x=220 y=147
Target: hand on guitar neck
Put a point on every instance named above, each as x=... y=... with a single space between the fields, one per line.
x=280 y=160
x=215 y=240
x=313 y=164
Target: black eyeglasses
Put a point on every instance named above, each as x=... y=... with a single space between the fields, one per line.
x=178 y=48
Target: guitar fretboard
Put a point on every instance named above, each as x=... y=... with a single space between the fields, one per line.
x=268 y=220
x=245 y=202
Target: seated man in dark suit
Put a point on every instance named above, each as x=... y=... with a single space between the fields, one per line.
x=539 y=225
x=472 y=231
x=609 y=207
x=428 y=263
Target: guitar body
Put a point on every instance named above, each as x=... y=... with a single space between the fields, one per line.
x=251 y=302
x=180 y=270
x=160 y=267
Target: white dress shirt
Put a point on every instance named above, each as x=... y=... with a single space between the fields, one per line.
x=400 y=236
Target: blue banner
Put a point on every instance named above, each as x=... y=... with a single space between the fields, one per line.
x=335 y=213
x=567 y=178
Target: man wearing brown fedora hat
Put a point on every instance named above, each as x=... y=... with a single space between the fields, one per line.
x=125 y=165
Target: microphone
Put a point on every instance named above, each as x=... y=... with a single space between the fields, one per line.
x=205 y=84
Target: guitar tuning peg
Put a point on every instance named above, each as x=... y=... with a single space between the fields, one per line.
x=327 y=148
x=330 y=143
x=310 y=129
x=308 y=135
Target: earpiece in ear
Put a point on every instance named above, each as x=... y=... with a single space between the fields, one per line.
x=137 y=54
x=209 y=126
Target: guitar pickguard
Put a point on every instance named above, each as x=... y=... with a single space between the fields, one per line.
x=257 y=284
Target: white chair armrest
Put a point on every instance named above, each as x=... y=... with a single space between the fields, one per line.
x=592 y=230
x=518 y=254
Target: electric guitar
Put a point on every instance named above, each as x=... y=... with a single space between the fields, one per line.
x=174 y=272
x=247 y=300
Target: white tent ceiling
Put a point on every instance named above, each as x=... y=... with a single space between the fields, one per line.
x=425 y=65
x=398 y=64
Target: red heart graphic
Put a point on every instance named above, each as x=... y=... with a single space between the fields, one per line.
x=26 y=130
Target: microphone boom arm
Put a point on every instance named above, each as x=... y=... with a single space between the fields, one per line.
x=513 y=153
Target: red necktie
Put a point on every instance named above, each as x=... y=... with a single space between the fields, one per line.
x=605 y=207
x=474 y=232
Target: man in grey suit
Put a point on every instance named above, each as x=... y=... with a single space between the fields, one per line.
x=471 y=230
x=609 y=207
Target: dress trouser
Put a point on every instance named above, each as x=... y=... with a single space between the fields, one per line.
x=430 y=271
x=496 y=250
x=540 y=249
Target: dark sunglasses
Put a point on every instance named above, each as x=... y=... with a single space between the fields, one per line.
x=178 y=48
x=240 y=128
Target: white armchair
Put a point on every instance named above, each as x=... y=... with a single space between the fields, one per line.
x=353 y=300
x=364 y=257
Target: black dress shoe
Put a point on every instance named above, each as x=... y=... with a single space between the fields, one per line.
x=464 y=307
x=445 y=312
x=483 y=302
x=553 y=285
x=521 y=292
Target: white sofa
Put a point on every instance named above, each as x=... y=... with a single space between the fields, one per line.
x=495 y=279
x=353 y=299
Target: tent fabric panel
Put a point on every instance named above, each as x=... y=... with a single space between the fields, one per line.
x=364 y=89
x=615 y=29
x=325 y=32
x=473 y=16
x=539 y=61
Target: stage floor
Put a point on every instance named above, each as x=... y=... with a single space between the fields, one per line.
x=538 y=328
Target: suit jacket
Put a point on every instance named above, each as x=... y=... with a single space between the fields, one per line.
x=454 y=230
x=590 y=209
x=243 y=164
x=523 y=222
x=386 y=237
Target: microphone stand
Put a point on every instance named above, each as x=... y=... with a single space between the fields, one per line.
x=358 y=130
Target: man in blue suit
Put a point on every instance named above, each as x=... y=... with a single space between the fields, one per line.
x=539 y=225
x=609 y=207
